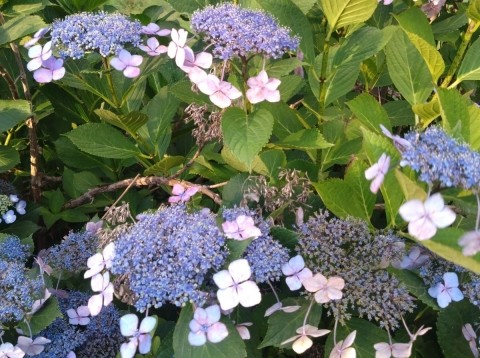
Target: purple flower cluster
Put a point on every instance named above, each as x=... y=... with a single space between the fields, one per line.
x=265 y=255
x=235 y=31
x=103 y=32
x=440 y=158
x=11 y=249
x=167 y=255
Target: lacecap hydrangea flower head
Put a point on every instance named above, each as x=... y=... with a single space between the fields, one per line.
x=235 y=31
x=167 y=255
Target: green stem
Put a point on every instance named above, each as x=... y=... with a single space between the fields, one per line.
x=306 y=315
x=247 y=104
x=467 y=36
x=108 y=73
x=322 y=93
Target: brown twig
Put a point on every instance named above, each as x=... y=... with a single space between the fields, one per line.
x=31 y=123
x=10 y=82
x=188 y=165
x=89 y=196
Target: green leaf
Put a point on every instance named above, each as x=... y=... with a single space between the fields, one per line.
x=231 y=347
x=304 y=139
x=407 y=68
x=75 y=158
x=232 y=193
x=77 y=183
x=183 y=91
x=188 y=6
x=236 y=248
x=455 y=114
x=162 y=167
x=410 y=188
x=290 y=86
x=282 y=326
x=72 y=6
x=8 y=158
x=445 y=244
x=130 y=122
x=103 y=141
x=49 y=312
x=288 y=14
x=24 y=7
x=340 y=81
x=414 y=21
x=474 y=115
x=286 y=237
x=270 y=162
x=347 y=12
x=12 y=113
x=430 y=54
x=283 y=67
x=415 y=286
x=367 y=335
x=369 y=112
x=19 y=26
x=245 y=135
x=470 y=67
x=55 y=200
x=473 y=10
x=449 y=328
x=427 y=111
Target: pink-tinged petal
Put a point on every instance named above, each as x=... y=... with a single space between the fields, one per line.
x=223 y=279
x=255 y=95
x=228 y=298
x=127 y=350
x=31 y=42
x=271 y=310
x=434 y=203
x=209 y=85
x=251 y=232
x=315 y=283
x=178 y=189
x=212 y=314
x=350 y=339
x=188 y=63
x=382 y=350
x=240 y=270
x=128 y=324
x=191 y=191
x=35 y=51
x=200 y=316
x=131 y=72
x=372 y=172
x=304 y=274
x=34 y=64
x=333 y=293
x=296 y=264
x=108 y=295
x=273 y=84
x=204 y=60
x=174 y=199
x=195 y=326
x=456 y=294
x=443 y=218
x=153 y=43
x=220 y=99
x=243 y=332
x=443 y=299
x=302 y=344
x=135 y=60
x=150 y=29
x=231 y=230
x=197 y=339
x=117 y=64
x=336 y=282
x=163 y=32
x=401 y=350
x=314 y=331
x=144 y=343
x=293 y=283
x=289 y=269
x=217 y=332
x=196 y=75
x=468 y=332
x=412 y=210
x=95 y=304
x=321 y=296
x=376 y=183
x=147 y=325
x=180 y=57
x=290 y=309
x=272 y=96
x=422 y=229
x=229 y=90
x=124 y=56
x=249 y=294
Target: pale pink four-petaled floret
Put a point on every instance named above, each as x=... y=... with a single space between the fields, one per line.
x=262 y=88
x=153 y=47
x=205 y=326
x=296 y=272
x=377 y=172
x=127 y=63
x=325 y=290
x=241 y=229
x=139 y=337
x=194 y=65
x=182 y=194
x=176 y=47
x=221 y=93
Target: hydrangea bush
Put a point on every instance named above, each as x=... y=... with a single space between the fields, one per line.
x=256 y=178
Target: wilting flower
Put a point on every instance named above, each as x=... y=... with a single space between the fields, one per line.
x=296 y=272
x=182 y=194
x=377 y=172
x=325 y=289
x=32 y=347
x=470 y=242
x=235 y=286
x=279 y=307
x=424 y=218
x=51 y=70
x=139 y=337
x=220 y=92
x=205 y=325
x=448 y=291
x=342 y=349
x=301 y=341
x=241 y=229
x=263 y=88
x=127 y=63
x=471 y=338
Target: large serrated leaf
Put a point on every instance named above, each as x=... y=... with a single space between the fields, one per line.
x=347 y=12
x=470 y=67
x=369 y=112
x=430 y=54
x=49 y=312
x=130 y=122
x=427 y=111
x=473 y=10
x=455 y=115
x=407 y=68
x=245 y=135
x=231 y=347
x=103 y=141
x=304 y=139
x=13 y=112
x=9 y=157
x=414 y=21
x=282 y=326
x=18 y=27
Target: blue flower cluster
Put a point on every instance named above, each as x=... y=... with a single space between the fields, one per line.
x=167 y=255
x=100 y=338
x=264 y=254
x=18 y=290
x=101 y=31
x=73 y=252
x=440 y=158
x=235 y=31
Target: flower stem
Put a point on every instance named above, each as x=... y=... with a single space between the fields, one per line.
x=108 y=74
x=306 y=316
x=477 y=222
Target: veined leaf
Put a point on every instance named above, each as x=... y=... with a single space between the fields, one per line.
x=470 y=67
x=415 y=22
x=18 y=27
x=473 y=10
x=130 y=122
x=103 y=141
x=427 y=111
x=430 y=54
x=13 y=112
x=455 y=115
x=347 y=12
x=9 y=157
x=369 y=112
x=304 y=139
